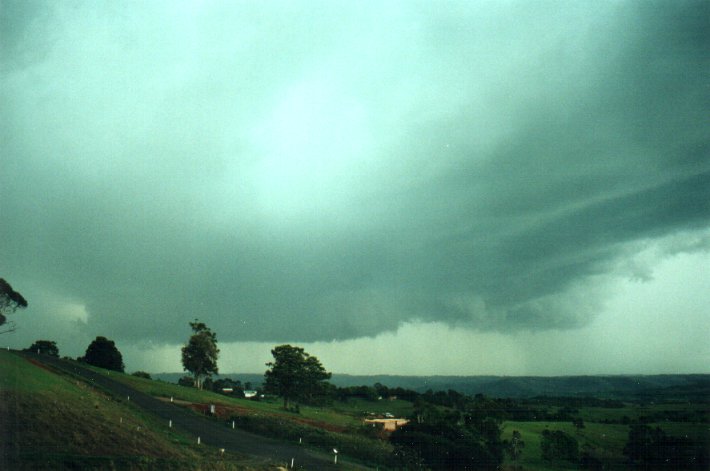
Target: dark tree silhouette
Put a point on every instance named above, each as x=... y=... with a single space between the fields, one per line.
x=141 y=374
x=294 y=374
x=10 y=301
x=44 y=347
x=651 y=448
x=443 y=445
x=103 y=353
x=558 y=445
x=187 y=381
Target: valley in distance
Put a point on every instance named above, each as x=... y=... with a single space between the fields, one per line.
x=67 y=414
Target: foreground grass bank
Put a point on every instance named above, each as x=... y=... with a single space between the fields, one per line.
x=53 y=421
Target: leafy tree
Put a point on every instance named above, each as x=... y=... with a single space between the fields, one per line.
x=587 y=460
x=558 y=445
x=294 y=374
x=515 y=446
x=199 y=355
x=141 y=374
x=103 y=353
x=186 y=381
x=382 y=390
x=652 y=448
x=44 y=347
x=443 y=445
x=426 y=412
x=10 y=301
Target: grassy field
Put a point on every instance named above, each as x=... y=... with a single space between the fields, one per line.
x=634 y=412
x=340 y=414
x=58 y=422
x=51 y=421
x=604 y=441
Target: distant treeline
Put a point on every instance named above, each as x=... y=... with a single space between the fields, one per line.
x=694 y=387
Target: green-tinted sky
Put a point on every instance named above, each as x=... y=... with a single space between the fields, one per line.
x=493 y=187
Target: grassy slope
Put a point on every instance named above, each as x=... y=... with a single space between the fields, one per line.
x=340 y=414
x=314 y=419
x=51 y=421
x=606 y=441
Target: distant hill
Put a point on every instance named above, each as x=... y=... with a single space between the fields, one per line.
x=696 y=387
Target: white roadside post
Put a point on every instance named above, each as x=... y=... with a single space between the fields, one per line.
x=198 y=440
x=335 y=456
x=170 y=424
x=292 y=462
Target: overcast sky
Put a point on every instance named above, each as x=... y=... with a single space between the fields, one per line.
x=493 y=187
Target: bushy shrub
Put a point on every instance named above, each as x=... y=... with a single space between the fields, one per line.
x=103 y=353
x=444 y=445
x=652 y=448
x=558 y=445
x=44 y=347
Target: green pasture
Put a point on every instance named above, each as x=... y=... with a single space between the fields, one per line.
x=634 y=412
x=603 y=441
x=695 y=431
x=19 y=375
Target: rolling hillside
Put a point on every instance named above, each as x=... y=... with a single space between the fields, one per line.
x=53 y=421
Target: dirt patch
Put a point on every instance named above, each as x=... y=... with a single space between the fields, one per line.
x=319 y=424
x=39 y=364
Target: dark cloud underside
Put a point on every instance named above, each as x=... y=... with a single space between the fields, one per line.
x=330 y=173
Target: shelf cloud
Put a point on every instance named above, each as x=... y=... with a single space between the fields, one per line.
x=317 y=171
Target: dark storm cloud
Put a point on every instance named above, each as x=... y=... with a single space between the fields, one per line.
x=471 y=164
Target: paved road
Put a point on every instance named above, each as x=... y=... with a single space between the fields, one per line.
x=210 y=431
